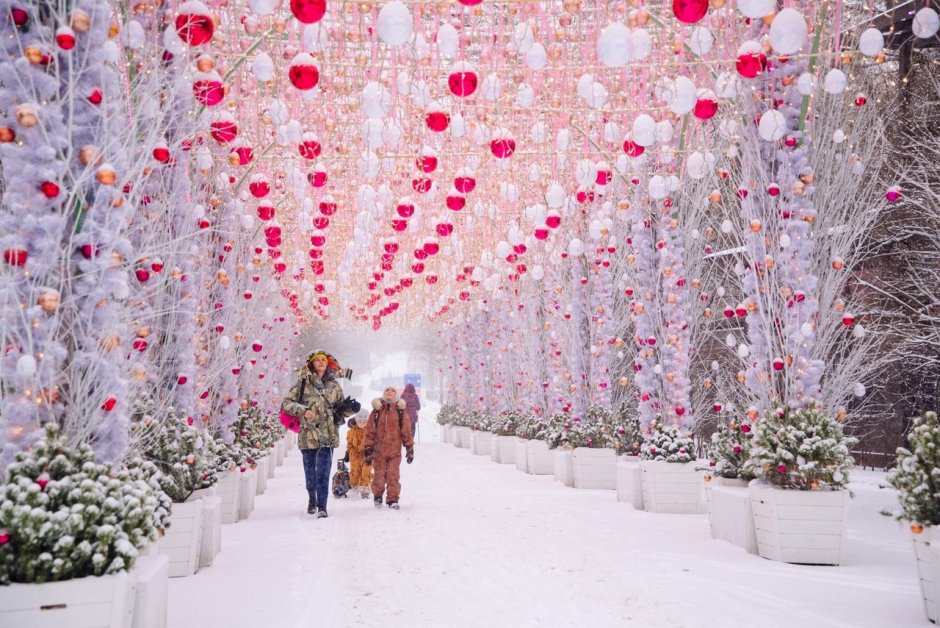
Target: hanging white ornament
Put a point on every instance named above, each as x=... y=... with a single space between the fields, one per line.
x=536 y=58
x=555 y=195
x=835 y=81
x=575 y=247
x=805 y=84
x=756 y=8
x=395 y=23
x=772 y=125
x=263 y=7
x=26 y=366
x=448 y=40
x=683 y=97
x=525 y=96
x=871 y=42
x=644 y=130
x=926 y=23
x=522 y=37
x=696 y=166
x=539 y=132
x=788 y=31
x=743 y=351
x=859 y=389
x=585 y=81
x=615 y=45
x=376 y=100
x=642 y=44
x=657 y=187
x=225 y=342
x=700 y=41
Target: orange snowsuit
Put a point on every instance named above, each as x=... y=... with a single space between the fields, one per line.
x=360 y=474
x=386 y=436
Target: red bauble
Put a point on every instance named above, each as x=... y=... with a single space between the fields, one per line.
x=310 y=148
x=541 y=233
x=327 y=207
x=417 y=268
x=503 y=147
x=318 y=239
x=420 y=254
x=431 y=279
x=303 y=72
x=50 y=189
x=224 y=129
x=308 y=11
x=750 y=64
x=208 y=89
x=421 y=185
x=15 y=257
x=705 y=108
x=689 y=11
x=553 y=220
x=265 y=212
x=65 y=38
x=321 y=222
x=431 y=247
x=109 y=404
x=426 y=163
x=456 y=202
x=259 y=188
x=437 y=121
x=194 y=25
x=399 y=224
x=464 y=184
x=444 y=229
x=142 y=274
x=162 y=153
x=19 y=16
x=405 y=210
x=632 y=149
x=462 y=83
x=318 y=178
x=95 y=97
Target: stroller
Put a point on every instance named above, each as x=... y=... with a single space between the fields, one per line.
x=341 y=479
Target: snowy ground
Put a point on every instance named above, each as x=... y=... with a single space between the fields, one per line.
x=481 y=544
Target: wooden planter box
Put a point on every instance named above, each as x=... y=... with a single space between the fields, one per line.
x=494 y=448
x=522 y=461
x=272 y=462
x=507 y=449
x=248 y=486
x=539 y=459
x=594 y=468
x=99 y=602
x=671 y=487
x=445 y=433
x=229 y=490
x=463 y=437
x=261 y=484
x=629 y=482
x=807 y=527
x=730 y=517
x=927 y=553
x=183 y=539
x=150 y=595
x=564 y=471
x=480 y=443
x=279 y=453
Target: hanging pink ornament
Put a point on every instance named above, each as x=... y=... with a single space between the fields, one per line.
x=427 y=161
x=265 y=212
x=259 y=186
x=778 y=364
x=502 y=144
x=437 y=119
x=208 y=89
x=421 y=185
x=706 y=105
x=462 y=79
x=399 y=224
x=310 y=147
x=391 y=246
x=327 y=206
x=318 y=177
x=455 y=201
x=751 y=59
x=553 y=219
x=65 y=38
x=194 y=25
x=161 y=152
x=444 y=229
x=632 y=149
x=308 y=11
x=689 y=11
x=321 y=222
x=405 y=209
x=431 y=246
x=303 y=72
x=893 y=194
x=464 y=181
x=431 y=279
x=541 y=233
x=223 y=128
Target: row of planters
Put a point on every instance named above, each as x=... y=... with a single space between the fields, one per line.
x=90 y=543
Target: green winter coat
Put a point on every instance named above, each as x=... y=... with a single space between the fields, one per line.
x=320 y=396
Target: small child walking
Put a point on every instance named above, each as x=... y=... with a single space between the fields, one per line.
x=360 y=473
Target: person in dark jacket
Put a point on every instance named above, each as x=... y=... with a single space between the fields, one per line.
x=410 y=397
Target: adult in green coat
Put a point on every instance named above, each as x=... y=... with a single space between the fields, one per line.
x=318 y=399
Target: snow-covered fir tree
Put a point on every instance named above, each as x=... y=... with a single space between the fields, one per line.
x=917 y=474
x=666 y=443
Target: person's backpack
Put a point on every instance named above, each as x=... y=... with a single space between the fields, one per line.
x=375 y=419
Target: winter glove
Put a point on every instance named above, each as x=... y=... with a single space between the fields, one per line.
x=410 y=455
x=368 y=454
x=346 y=407
x=346 y=457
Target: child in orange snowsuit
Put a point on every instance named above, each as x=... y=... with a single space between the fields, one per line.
x=360 y=473
x=388 y=430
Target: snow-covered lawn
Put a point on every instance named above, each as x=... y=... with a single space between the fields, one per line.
x=481 y=544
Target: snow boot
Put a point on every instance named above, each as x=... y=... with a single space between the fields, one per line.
x=378 y=501
x=393 y=505
x=364 y=493
x=321 y=513
x=311 y=505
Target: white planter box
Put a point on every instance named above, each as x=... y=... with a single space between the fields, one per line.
x=445 y=433
x=522 y=461
x=150 y=596
x=211 y=530
x=183 y=539
x=564 y=471
x=480 y=443
x=927 y=553
x=261 y=472
x=629 y=482
x=248 y=485
x=463 y=437
x=671 y=487
x=729 y=513
x=494 y=448
x=712 y=482
x=594 y=468
x=539 y=459
x=229 y=490
x=103 y=602
x=202 y=492
x=507 y=449
x=272 y=462
x=807 y=527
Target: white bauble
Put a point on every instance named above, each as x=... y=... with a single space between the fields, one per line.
x=376 y=100
x=642 y=44
x=555 y=195
x=263 y=7
x=644 y=130
x=835 y=81
x=448 y=40
x=926 y=23
x=756 y=8
x=657 y=187
x=615 y=45
x=536 y=58
x=700 y=41
x=491 y=87
x=525 y=96
x=263 y=67
x=575 y=247
x=26 y=366
x=805 y=84
x=772 y=125
x=871 y=42
x=684 y=95
x=395 y=23
x=788 y=31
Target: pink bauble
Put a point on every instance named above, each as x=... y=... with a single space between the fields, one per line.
x=689 y=11
x=194 y=25
x=308 y=11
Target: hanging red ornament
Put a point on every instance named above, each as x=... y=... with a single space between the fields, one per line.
x=310 y=147
x=502 y=145
x=318 y=177
x=265 y=212
x=399 y=224
x=109 y=404
x=405 y=209
x=427 y=161
x=194 y=25
x=462 y=80
x=444 y=229
x=95 y=97
x=632 y=149
x=327 y=206
x=259 y=187
x=19 y=16
x=421 y=185
x=208 y=89
x=303 y=72
x=50 y=189
x=161 y=153
x=65 y=38
x=308 y=11
x=689 y=11
x=455 y=201
x=706 y=106
x=15 y=256
x=751 y=59
x=223 y=128
x=437 y=120
x=464 y=181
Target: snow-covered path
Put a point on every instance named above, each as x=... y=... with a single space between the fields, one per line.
x=481 y=544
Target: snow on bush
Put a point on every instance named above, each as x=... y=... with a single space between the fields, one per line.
x=507 y=423
x=917 y=475
x=801 y=449
x=65 y=515
x=729 y=449
x=667 y=444
x=599 y=429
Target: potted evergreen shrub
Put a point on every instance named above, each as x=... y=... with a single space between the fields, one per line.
x=481 y=437
x=668 y=475
x=799 y=502
x=71 y=530
x=917 y=479
x=594 y=450
x=726 y=479
x=504 y=438
x=557 y=438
